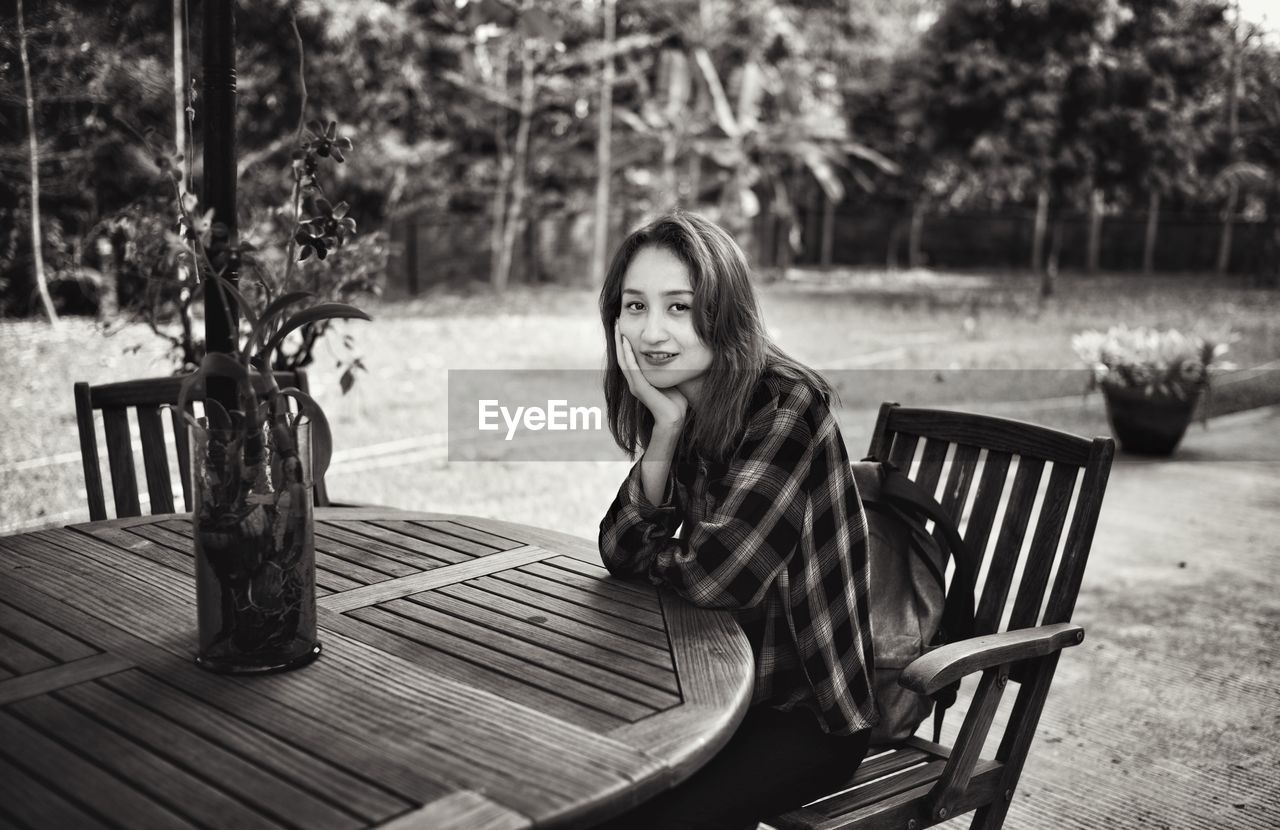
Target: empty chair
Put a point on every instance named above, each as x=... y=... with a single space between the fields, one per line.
x=146 y=397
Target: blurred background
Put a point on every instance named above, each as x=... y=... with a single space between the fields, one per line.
x=928 y=185
x=937 y=197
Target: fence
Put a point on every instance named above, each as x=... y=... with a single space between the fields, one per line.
x=453 y=249
x=1184 y=241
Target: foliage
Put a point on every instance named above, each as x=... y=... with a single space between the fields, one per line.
x=1160 y=363
x=731 y=107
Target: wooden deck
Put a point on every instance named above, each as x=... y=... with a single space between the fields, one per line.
x=1168 y=715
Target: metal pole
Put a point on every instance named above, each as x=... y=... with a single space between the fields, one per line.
x=218 y=189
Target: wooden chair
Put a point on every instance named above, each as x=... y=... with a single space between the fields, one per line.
x=1018 y=633
x=146 y=397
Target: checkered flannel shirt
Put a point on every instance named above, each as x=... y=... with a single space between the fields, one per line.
x=776 y=535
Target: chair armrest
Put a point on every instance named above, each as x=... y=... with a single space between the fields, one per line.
x=948 y=663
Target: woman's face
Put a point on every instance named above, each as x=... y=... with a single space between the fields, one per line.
x=657 y=320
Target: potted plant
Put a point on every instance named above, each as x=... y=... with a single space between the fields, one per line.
x=1151 y=381
x=256 y=455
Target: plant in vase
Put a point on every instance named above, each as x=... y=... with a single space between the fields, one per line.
x=1151 y=381
x=254 y=456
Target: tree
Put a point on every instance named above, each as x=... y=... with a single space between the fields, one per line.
x=748 y=93
x=37 y=239
x=604 y=156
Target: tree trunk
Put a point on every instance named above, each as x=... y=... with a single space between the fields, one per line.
x=828 y=229
x=180 y=89
x=1233 y=132
x=1149 y=241
x=1228 y=226
x=515 y=212
x=505 y=166
x=604 y=156
x=1049 y=278
x=1094 y=252
x=1041 y=224
x=670 y=186
x=895 y=238
x=37 y=239
x=411 y=253
x=695 y=179
x=915 y=255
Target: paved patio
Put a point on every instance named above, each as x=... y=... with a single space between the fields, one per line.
x=1168 y=715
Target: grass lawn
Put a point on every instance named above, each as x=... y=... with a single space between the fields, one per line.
x=984 y=343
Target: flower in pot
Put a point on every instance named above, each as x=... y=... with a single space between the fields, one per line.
x=1151 y=380
x=259 y=448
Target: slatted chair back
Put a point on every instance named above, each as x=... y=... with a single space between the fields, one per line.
x=1022 y=473
x=146 y=397
x=1013 y=489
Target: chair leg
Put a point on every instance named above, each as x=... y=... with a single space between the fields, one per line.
x=990 y=817
x=1018 y=735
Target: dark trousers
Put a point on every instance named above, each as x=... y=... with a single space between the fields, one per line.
x=774 y=762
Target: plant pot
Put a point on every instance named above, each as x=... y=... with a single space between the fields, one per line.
x=254 y=535
x=1148 y=424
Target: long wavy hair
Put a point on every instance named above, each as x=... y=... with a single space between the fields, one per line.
x=726 y=316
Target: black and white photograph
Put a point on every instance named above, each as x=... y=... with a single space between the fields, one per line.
x=639 y=414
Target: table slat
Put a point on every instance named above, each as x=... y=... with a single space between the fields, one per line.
x=93 y=787
x=589 y=615
x=61 y=645
x=184 y=792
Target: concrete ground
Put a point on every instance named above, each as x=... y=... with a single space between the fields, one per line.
x=1168 y=715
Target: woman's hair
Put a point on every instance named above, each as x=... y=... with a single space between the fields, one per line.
x=726 y=316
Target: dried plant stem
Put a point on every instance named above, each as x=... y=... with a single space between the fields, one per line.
x=291 y=247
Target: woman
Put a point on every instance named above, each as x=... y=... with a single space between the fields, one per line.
x=742 y=453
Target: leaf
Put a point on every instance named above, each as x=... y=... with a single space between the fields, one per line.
x=865 y=153
x=323 y=311
x=321 y=435
x=750 y=92
x=246 y=307
x=348 y=378
x=724 y=114
x=278 y=305
x=1244 y=175
x=632 y=120
x=678 y=86
x=821 y=168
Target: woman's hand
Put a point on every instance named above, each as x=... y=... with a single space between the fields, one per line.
x=667 y=405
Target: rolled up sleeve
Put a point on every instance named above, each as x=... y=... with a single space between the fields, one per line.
x=752 y=523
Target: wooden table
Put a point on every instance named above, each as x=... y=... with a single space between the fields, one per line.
x=475 y=674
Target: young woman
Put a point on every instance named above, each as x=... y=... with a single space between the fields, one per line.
x=743 y=455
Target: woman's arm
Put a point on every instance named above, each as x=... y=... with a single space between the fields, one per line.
x=644 y=515
x=655 y=464
x=755 y=522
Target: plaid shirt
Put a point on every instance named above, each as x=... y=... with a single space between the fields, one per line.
x=776 y=535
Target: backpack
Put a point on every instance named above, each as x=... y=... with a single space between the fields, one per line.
x=911 y=612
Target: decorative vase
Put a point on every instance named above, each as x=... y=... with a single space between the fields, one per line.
x=1148 y=424
x=254 y=535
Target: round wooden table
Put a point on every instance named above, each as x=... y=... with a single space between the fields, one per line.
x=475 y=674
